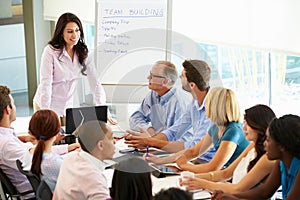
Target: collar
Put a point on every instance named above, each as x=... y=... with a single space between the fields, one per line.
x=294 y=166
x=98 y=163
x=197 y=104
x=8 y=131
x=65 y=53
x=165 y=98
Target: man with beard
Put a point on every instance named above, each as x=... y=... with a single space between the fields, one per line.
x=195 y=79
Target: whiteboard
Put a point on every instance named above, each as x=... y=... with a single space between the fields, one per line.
x=130 y=36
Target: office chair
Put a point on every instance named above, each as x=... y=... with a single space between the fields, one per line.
x=33 y=179
x=43 y=192
x=8 y=189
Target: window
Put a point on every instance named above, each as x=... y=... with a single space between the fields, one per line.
x=257 y=76
x=233 y=35
x=11 y=12
x=245 y=71
x=285 y=84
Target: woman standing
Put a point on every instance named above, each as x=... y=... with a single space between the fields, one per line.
x=63 y=60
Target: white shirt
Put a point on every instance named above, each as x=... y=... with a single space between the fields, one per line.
x=81 y=177
x=58 y=81
x=12 y=149
x=242 y=168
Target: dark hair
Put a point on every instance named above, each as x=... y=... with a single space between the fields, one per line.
x=131 y=180
x=4 y=99
x=58 y=41
x=258 y=118
x=199 y=72
x=89 y=134
x=286 y=132
x=43 y=125
x=173 y=194
x=82 y=145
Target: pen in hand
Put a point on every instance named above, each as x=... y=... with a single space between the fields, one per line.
x=147 y=151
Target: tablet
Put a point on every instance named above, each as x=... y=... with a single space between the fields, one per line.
x=161 y=171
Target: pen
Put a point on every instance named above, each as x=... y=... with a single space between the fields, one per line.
x=147 y=150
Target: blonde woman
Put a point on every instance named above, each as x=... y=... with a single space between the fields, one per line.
x=226 y=135
x=251 y=167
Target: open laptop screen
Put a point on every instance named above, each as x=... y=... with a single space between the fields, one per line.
x=77 y=116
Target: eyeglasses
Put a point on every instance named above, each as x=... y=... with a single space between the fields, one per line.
x=155 y=76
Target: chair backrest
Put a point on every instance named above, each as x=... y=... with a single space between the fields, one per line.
x=33 y=179
x=9 y=189
x=43 y=192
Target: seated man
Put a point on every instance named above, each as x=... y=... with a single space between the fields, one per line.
x=80 y=175
x=195 y=79
x=12 y=148
x=162 y=106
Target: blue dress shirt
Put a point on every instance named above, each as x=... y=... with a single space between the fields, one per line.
x=194 y=118
x=158 y=112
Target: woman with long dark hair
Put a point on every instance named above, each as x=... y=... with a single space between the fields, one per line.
x=282 y=144
x=251 y=167
x=63 y=60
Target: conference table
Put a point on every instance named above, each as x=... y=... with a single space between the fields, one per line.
x=21 y=128
x=164 y=182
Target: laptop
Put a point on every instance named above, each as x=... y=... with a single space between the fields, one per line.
x=75 y=117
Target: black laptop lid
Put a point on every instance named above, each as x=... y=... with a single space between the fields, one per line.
x=77 y=116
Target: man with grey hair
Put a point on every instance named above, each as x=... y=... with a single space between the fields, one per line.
x=162 y=106
x=195 y=78
x=81 y=174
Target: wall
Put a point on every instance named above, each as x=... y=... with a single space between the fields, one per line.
x=13 y=57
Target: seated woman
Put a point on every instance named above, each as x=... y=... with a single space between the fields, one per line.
x=225 y=134
x=131 y=180
x=282 y=144
x=44 y=125
x=251 y=167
